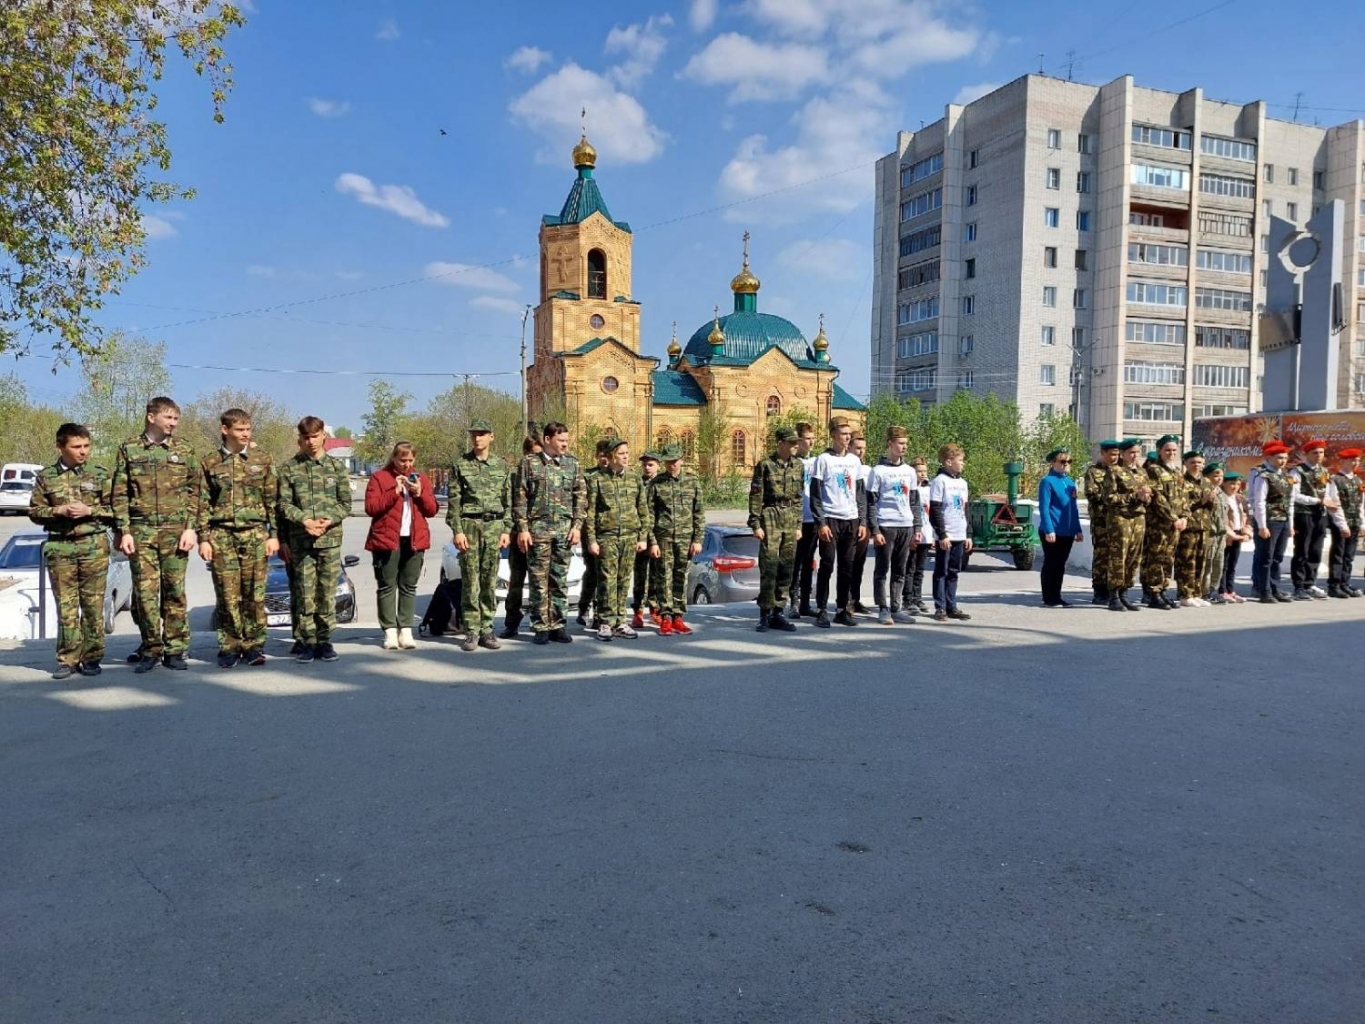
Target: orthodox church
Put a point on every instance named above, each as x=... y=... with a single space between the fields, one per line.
x=742 y=368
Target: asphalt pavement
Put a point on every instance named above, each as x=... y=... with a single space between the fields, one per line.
x=1035 y=816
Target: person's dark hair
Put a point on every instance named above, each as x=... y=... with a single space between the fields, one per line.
x=234 y=417
x=310 y=425
x=69 y=430
x=161 y=404
x=553 y=429
x=529 y=445
x=802 y=429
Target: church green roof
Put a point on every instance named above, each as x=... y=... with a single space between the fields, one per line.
x=584 y=199
x=749 y=334
x=673 y=387
x=843 y=400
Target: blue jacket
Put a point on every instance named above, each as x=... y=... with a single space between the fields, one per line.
x=1057 y=511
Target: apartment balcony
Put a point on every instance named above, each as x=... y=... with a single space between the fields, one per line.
x=1231 y=204
x=1165 y=198
x=1169 y=155
x=1147 y=233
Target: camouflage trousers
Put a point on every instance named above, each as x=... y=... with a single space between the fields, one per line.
x=1158 y=557
x=645 y=592
x=239 y=572
x=77 y=571
x=1190 y=565
x=615 y=573
x=1099 y=547
x=673 y=562
x=547 y=564
x=314 y=583
x=777 y=555
x=479 y=575
x=159 y=590
x=1215 y=551
x=1125 y=551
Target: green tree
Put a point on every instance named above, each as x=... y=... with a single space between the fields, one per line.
x=343 y=432
x=789 y=418
x=119 y=379
x=27 y=431
x=272 y=424
x=441 y=431
x=81 y=145
x=383 y=422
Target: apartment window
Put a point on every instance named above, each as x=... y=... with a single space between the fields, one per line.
x=921 y=240
x=917 y=345
x=1054 y=177
x=1361 y=243
x=1082 y=181
x=1153 y=294
x=1054 y=138
x=1156 y=412
x=1078 y=298
x=1048 y=335
x=1293 y=175
x=1269 y=174
x=1147 y=220
x=1135 y=371
x=914 y=312
x=923 y=380
x=1154 y=332
x=1232 y=149
x=1265 y=243
x=1291 y=212
x=1158 y=176
x=969 y=232
x=1082 y=260
x=971 y=195
x=966 y=378
x=1162 y=255
x=1221 y=376
x=1226 y=185
x=966 y=344
x=1052 y=217
x=1151 y=135
x=922 y=169
x=1229 y=224
x=1265 y=278
x=969 y=269
x=1049 y=255
x=1083 y=144
x=919 y=274
x=1221 y=298
x=902 y=382
x=1221 y=410
x=1222 y=337
x=1360 y=278
x=1078 y=338
x=1267 y=208
x=1319 y=180
x=1224 y=262
x=918 y=206
x=1082 y=220
x=1049 y=295
x=1047 y=374
x=1046 y=410
x=969 y=305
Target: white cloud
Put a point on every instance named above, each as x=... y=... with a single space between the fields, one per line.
x=970 y=93
x=158 y=227
x=498 y=304
x=642 y=46
x=527 y=59
x=399 y=199
x=329 y=108
x=620 y=127
x=702 y=15
x=464 y=275
x=388 y=30
x=260 y=270
x=755 y=70
x=829 y=259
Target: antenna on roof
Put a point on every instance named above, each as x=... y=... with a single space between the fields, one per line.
x=1041 y=69
x=1298 y=102
x=1070 y=64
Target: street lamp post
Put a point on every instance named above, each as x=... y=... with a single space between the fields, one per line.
x=525 y=413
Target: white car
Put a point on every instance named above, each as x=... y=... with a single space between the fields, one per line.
x=450 y=570
x=15 y=496
x=19 y=589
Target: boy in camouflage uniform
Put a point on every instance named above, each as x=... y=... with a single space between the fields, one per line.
x=315 y=499
x=679 y=524
x=480 y=517
x=1192 y=545
x=1166 y=520
x=587 y=594
x=615 y=531
x=775 y=518
x=645 y=591
x=155 y=501
x=516 y=559
x=1345 y=525
x=1126 y=495
x=71 y=502
x=237 y=537
x=1099 y=520
x=548 y=507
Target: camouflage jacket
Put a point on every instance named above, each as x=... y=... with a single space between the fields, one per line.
x=675 y=506
x=59 y=485
x=1168 y=495
x=313 y=489
x=1094 y=483
x=479 y=488
x=775 y=484
x=617 y=503
x=239 y=491
x=155 y=484
x=548 y=495
x=1348 y=493
x=1199 y=503
x=1118 y=492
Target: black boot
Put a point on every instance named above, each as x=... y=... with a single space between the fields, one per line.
x=779 y=622
x=1123 y=600
x=1154 y=600
x=762 y=626
x=1101 y=596
x=1115 y=605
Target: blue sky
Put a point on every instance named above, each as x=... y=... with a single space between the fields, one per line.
x=331 y=180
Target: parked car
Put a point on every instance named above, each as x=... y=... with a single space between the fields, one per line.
x=726 y=571
x=277 y=611
x=450 y=570
x=19 y=560
x=15 y=496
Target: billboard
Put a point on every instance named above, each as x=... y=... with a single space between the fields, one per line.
x=1236 y=441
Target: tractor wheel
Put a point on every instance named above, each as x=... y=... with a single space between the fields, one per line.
x=1023 y=559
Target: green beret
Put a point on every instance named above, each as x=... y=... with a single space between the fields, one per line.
x=1212 y=467
x=1166 y=439
x=1231 y=476
x=1193 y=453
x=1153 y=456
x=1130 y=442
x=1112 y=444
x=785 y=434
x=671 y=453
x=481 y=426
x=1052 y=455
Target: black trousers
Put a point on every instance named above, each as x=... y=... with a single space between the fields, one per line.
x=914 y=574
x=1341 y=562
x=516 y=572
x=855 y=589
x=1231 y=555
x=1266 y=556
x=803 y=570
x=1310 y=530
x=947 y=564
x=840 y=548
x=1055 y=555
x=890 y=560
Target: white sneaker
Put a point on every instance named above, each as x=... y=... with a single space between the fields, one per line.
x=1201 y=603
x=391 y=639
x=1189 y=602
x=406 y=641
x=604 y=633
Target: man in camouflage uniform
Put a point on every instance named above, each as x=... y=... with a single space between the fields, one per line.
x=1345 y=525
x=71 y=502
x=154 y=495
x=237 y=537
x=587 y=593
x=775 y=518
x=615 y=531
x=516 y=558
x=679 y=524
x=645 y=590
x=1125 y=495
x=1165 y=521
x=480 y=517
x=548 y=507
x=1093 y=482
x=315 y=499
x=1191 y=548
x=1311 y=515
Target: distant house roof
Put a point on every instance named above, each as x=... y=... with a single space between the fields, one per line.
x=843 y=400
x=673 y=387
x=338 y=445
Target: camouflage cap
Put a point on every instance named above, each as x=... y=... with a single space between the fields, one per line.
x=787 y=434
x=671 y=453
x=613 y=443
x=480 y=426
x=650 y=456
x=605 y=445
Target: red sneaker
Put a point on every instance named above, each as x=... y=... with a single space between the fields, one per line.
x=679 y=626
x=637 y=621
x=665 y=625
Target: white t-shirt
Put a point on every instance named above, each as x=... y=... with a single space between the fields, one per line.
x=837 y=476
x=806 y=465
x=405 y=528
x=951 y=493
x=892 y=489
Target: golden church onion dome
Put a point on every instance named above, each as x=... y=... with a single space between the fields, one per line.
x=821 y=343
x=584 y=155
x=717 y=337
x=744 y=282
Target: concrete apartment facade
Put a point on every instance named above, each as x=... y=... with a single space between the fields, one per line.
x=1101 y=249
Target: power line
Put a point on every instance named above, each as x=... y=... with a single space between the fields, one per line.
x=1165 y=28
x=343 y=373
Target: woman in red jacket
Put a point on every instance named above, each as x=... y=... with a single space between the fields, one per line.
x=399 y=501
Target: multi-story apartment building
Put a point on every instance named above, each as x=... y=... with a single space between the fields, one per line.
x=1100 y=249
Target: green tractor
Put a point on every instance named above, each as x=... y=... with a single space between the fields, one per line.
x=1004 y=523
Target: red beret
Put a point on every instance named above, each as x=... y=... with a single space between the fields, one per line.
x=1274 y=448
x=1350 y=453
x=1314 y=445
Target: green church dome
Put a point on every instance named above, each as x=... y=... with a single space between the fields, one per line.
x=748 y=334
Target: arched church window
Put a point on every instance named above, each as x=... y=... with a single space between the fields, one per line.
x=688 y=440
x=774 y=406
x=737 y=454
x=664 y=437
x=597 y=274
